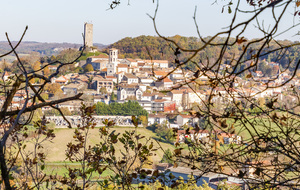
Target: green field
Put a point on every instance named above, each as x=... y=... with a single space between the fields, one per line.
x=59 y=168
x=55 y=150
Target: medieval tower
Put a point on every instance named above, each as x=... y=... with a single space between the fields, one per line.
x=112 y=62
x=88 y=34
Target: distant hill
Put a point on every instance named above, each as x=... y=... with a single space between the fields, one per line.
x=151 y=47
x=141 y=46
x=43 y=48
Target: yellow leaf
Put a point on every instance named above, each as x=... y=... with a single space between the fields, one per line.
x=221 y=139
x=298 y=3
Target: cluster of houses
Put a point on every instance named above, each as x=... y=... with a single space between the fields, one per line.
x=143 y=81
x=206 y=136
x=156 y=86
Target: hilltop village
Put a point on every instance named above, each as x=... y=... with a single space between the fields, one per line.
x=166 y=98
x=156 y=91
x=156 y=86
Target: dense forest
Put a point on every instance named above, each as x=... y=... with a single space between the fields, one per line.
x=150 y=47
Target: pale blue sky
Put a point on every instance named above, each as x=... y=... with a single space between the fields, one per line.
x=62 y=20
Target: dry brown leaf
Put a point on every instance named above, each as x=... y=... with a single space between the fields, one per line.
x=241 y=40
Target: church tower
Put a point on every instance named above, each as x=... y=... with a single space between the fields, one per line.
x=112 y=62
x=88 y=34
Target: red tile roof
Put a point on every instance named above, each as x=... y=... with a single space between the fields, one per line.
x=100 y=56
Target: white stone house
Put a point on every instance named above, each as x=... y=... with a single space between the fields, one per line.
x=176 y=96
x=120 y=76
x=157 y=118
x=148 y=81
x=166 y=83
x=122 y=68
x=146 y=105
x=130 y=78
x=158 y=63
x=126 y=91
x=147 y=97
x=62 y=80
x=186 y=119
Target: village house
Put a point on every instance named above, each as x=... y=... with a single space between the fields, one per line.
x=122 y=68
x=201 y=135
x=71 y=105
x=5 y=76
x=120 y=76
x=186 y=120
x=130 y=62
x=62 y=80
x=114 y=79
x=158 y=105
x=72 y=88
x=157 y=118
x=52 y=68
x=101 y=98
x=148 y=81
x=99 y=64
x=133 y=70
x=165 y=83
x=159 y=74
x=125 y=91
x=147 y=105
x=176 y=96
x=101 y=57
x=157 y=63
x=130 y=78
x=231 y=138
x=99 y=82
x=147 y=97
x=163 y=105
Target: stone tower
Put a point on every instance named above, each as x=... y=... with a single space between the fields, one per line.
x=112 y=62
x=88 y=34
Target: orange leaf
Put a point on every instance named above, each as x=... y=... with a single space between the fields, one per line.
x=241 y=40
x=249 y=76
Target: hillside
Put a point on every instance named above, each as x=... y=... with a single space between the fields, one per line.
x=150 y=47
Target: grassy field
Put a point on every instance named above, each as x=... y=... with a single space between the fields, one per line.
x=55 y=150
x=258 y=125
x=60 y=169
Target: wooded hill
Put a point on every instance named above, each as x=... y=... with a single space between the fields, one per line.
x=150 y=47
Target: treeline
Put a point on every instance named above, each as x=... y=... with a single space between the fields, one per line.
x=142 y=46
x=125 y=109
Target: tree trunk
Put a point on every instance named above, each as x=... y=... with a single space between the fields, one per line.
x=4 y=172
